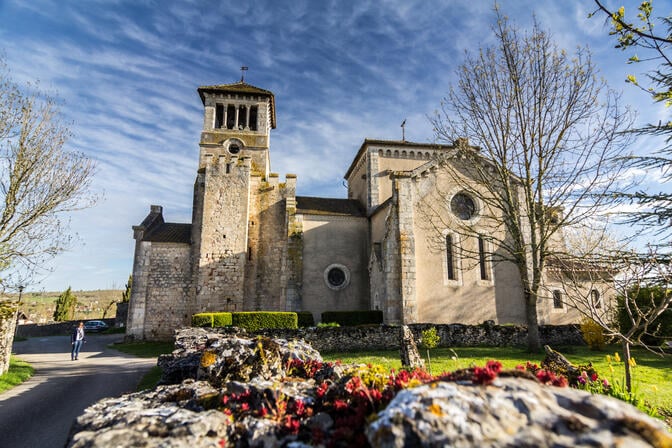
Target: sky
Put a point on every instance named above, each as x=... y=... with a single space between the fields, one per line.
x=126 y=74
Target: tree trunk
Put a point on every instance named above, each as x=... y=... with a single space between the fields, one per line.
x=626 y=361
x=533 y=338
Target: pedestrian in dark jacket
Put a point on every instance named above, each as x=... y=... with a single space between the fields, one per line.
x=77 y=338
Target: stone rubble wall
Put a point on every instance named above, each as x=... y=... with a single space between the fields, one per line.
x=387 y=337
x=7 y=325
x=52 y=328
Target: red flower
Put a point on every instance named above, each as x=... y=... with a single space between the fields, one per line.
x=322 y=390
x=340 y=405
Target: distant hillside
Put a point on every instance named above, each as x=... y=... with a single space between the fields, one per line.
x=39 y=306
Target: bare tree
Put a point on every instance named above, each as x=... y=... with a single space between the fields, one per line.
x=642 y=283
x=549 y=132
x=40 y=181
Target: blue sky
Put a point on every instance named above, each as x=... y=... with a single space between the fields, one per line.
x=341 y=70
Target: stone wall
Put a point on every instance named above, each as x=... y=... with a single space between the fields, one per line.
x=168 y=284
x=386 y=337
x=7 y=325
x=52 y=328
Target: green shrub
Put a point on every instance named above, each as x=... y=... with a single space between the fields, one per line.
x=327 y=324
x=353 y=318
x=305 y=319
x=222 y=319
x=593 y=334
x=645 y=295
x=258 y=320
x=211 y=320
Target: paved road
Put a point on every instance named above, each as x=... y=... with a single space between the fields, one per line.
x=39 y=412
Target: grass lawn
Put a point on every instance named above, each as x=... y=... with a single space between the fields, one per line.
x=19 y=371
x=652 y=377
x=145 y=349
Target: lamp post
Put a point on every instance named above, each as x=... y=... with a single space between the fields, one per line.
x=16 y=324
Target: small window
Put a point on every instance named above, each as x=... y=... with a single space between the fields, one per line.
x=482 y=261
x=253 y=118
x=219 y=116
x=230 y=116
x=234 y=149
x=596 y=299
x=242 y=117
x=557 y=299
x=463 y=206
x=450 y=257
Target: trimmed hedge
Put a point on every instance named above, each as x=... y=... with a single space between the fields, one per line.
x=258 y=320
x=211 y=320
x=305 y=319
x=353 y=318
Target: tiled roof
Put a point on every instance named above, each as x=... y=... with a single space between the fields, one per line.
x=170 y=232
x=240 y=87
x=328 y=206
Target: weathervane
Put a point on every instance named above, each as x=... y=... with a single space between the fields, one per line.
x=243 y=69
x=403 y=130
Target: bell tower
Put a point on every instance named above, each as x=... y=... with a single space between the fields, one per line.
x=233 y=161
x=237 y=122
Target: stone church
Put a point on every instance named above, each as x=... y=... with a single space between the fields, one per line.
x=253 y=244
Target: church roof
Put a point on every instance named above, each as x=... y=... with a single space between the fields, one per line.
x=387 y=143
x=329 y=206
x=240 y=87
x=169 y=232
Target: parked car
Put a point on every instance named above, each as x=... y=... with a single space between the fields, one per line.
x=95 y=326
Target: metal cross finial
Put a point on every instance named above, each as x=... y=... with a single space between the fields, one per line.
x=243 y=69
x=403 y=130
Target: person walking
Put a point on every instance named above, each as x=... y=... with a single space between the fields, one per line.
x=77 y=338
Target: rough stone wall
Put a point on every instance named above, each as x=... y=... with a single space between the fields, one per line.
x=294 y=257
x=52 y=328
x=135 y=321
x=271 y=254
x=222 y=248
x=387 y=337
x=7 y=326
x=168 y=283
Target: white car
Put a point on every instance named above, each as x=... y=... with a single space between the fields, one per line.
x=95 y=326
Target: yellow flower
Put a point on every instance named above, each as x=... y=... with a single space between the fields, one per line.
x=208 y=359
x=632 y=362
x=616 y=357
x=436 y=410
x=609 y=359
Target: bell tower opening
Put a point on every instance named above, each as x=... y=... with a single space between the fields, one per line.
x=240 y=113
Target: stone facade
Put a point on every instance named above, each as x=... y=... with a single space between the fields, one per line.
x=253 y=244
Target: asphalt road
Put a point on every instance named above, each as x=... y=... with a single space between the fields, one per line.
x=39 y=412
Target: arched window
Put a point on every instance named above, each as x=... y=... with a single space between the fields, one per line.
x=595 y=299
x=450 y=257
x=557 y=299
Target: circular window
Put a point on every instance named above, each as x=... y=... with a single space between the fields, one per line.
x=463 y=206
x=337 y=276
x=234 y=149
